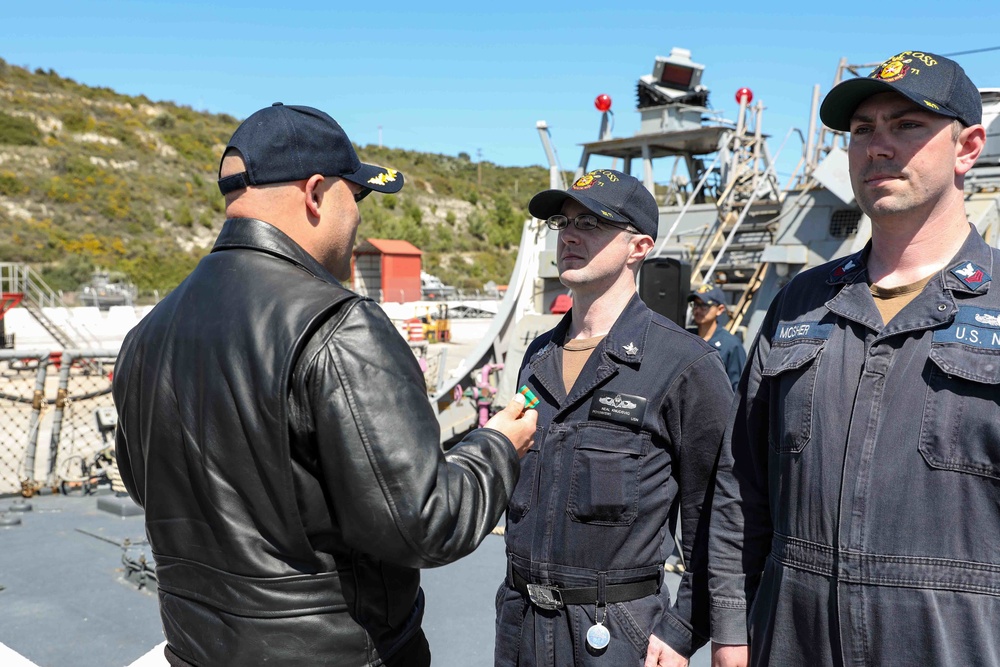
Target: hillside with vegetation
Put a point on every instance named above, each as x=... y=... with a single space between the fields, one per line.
x=90 y=178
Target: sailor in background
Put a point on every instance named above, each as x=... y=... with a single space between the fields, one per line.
x=629 y=429
x=857 y=514
x=707 y=305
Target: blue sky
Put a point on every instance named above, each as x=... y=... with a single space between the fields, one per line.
x=450 y=77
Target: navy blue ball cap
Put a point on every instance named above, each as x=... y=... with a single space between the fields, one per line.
x=932 y=82
x=709 y=294
x=608 y=194
x=283 y=143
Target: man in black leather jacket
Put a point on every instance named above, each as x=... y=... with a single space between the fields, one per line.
x=276 y=430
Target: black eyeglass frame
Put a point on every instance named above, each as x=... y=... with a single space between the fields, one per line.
x=703 y=305
x=586 y=222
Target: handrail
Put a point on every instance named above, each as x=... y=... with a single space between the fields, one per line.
x=687 y=205
x=21 y=279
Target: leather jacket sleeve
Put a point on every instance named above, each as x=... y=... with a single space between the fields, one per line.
x=122 y=455
x=392 y=491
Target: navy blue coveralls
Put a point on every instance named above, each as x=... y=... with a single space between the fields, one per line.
x=729 y=347
x=858 y=501
x=635 y=440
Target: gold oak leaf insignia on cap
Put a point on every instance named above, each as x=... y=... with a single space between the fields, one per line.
x=388 y=176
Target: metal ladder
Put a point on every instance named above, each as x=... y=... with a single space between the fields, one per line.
x=729 y=252
x=20 y=284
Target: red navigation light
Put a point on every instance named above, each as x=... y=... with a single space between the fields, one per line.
x=744 y=93
x=603 y=102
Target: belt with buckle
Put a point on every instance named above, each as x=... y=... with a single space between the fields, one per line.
x=554 y=597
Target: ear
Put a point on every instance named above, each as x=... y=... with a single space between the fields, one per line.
x=314 y=194
x=641 y=245
x=968 y=146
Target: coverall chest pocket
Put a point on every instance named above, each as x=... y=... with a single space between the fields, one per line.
x=960 y=428
x=520 y=500
x=604 y=485
x=792 y=371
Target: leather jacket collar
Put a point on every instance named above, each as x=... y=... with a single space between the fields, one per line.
x=259 y=235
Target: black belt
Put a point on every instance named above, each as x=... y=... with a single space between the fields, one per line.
x=554 y=597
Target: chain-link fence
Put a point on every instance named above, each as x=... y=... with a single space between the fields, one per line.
x=56 y=418
x=22 y=380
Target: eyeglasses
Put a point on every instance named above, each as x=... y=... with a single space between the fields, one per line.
x=701 y=305
x=358 y=196
x=585 y=222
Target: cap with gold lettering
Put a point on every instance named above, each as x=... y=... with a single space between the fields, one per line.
x=931 y=81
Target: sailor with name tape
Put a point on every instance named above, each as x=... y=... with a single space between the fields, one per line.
x=631 y=415
x=857 y=512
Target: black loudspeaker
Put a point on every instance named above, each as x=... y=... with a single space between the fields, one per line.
x=664 y=285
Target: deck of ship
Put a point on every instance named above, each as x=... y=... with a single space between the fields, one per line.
x=66 y=600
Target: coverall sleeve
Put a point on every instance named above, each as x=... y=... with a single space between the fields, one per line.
x=392 y=490
x=740 y=533
x=735 y=360
x=694 y=412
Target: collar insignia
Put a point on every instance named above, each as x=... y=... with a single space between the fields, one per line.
x=542 y=351
x=971 y=275
x=844 y=268
x=630 y=349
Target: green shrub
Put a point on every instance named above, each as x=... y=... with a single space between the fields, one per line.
x=11 y=186
x=17 y=131
x=413 y=212
x=476 y=224
x=163 y=122
x=74 y=121
x=505 y=227
x=184 y=216
x=69 y=274
x=443 y=240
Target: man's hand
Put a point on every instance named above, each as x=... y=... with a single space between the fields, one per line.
x=730 y=656
x=659 y=654
x=517 y=424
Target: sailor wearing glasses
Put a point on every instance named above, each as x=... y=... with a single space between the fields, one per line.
x=623 y=447
x=708 y=304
